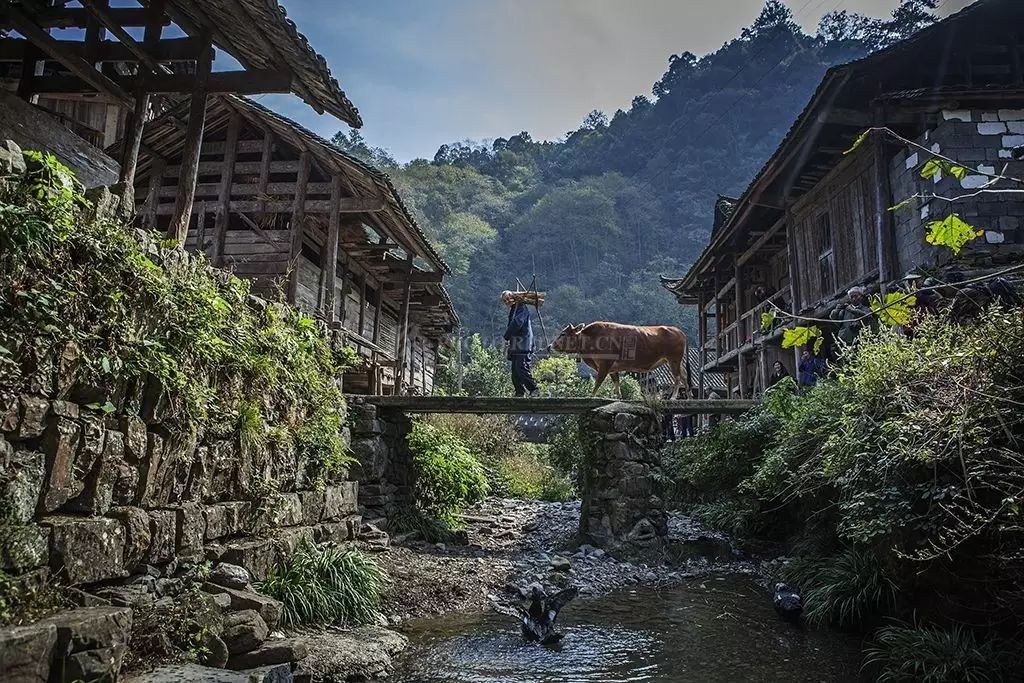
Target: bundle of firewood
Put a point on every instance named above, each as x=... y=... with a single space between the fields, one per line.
x=531 y=298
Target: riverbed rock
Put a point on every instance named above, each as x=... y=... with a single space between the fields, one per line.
x=243 y=632
x=26 y=652
x=358 y=654
x=230 y=575
x=561 y=564
x=270 y=653
x=195 y=673
x=91 y=642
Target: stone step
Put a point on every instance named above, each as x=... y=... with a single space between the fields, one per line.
x=194 y=673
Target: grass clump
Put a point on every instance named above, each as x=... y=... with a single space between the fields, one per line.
x=327 y=584
x=927 y=654
x=124 y=316
x=847 y=589
x=448 y=477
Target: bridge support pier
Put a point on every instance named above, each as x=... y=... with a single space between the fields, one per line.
x=623 y=507
x=385 y=471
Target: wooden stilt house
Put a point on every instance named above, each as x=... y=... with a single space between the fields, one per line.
x=827 y=212
x=308 y=224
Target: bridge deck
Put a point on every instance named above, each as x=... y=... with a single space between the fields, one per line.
x=489 y=405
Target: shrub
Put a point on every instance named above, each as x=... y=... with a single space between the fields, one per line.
x=527 y=474
x=847 y=589
x=131 y=312
x=327 y=584
x=448 y=477
x=927 y=654
x=173 y=630
x=25 y=599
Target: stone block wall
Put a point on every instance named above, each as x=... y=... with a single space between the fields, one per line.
x=980 y=140
x=385 y=470
x=92 y=498
x=623 y=508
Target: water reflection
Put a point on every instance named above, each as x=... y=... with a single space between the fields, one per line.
x=718 y=629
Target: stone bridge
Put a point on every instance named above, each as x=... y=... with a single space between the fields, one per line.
x=623 y=508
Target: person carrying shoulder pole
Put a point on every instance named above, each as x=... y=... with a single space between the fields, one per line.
x=519 y=335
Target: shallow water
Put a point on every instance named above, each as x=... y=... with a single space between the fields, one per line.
x=715 y=629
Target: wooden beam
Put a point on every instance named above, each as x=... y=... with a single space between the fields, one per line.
x=266 y=156
x=101 y=11
x=77 y=17
x=330 y=258
x=884 y=235
x=75 y=64
x=298 y=225
x=419 y=276
x=312 y=206
x=137 y=120
x=403 y=331
x=761 y=242
x=498 y=405
x=362 y=302
x=249 y=82
x=153 y=196
x=178 y=228
x=223 y=216
x=167 y=50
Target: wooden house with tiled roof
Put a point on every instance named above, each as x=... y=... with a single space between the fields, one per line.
x=816 y=220
x=309 y=224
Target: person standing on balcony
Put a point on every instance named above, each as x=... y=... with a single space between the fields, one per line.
x=852 y=316
x=779 y=373
x=519 y=335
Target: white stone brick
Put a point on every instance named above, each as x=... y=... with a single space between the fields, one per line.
x=1005 y=154
x=1016 y=127
x=983 y=168
x=1011 y=114
x=994 y=237
x=989 y=116
x=926 y=211
x=912 y=160
x=991 y=128
x=1013 y=140
x=957 y=115
x=936 y=148
x=973 y=182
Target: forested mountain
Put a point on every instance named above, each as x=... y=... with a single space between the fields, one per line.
x=599 y=214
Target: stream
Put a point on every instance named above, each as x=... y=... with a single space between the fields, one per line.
x=715 y=628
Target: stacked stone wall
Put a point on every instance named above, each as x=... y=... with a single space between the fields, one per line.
x=623 y=508
x=385 y=471
x=88 y=497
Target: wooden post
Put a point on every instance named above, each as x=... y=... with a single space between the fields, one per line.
x=156 y=178
x=329 y=262
x=423 y=365
x=297 y=226
x=265 y=158
x=362 y=303
x=883 y=217
x=403 y=327
x=702 y=333
x=738 y=289
x=178 y=228
x=137 y=119
x=227 y=177
x=376 y=314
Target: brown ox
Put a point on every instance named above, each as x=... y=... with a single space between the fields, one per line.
x=611 y=348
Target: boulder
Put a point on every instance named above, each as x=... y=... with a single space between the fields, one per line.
x=215 y=651
x=21 y=485
x=273 y=652
x=269 y=608
x=312 y=503
x=163 y=529
x=86 y=550
x=91 y=642
x=359 y=654
x=243 y=632
x=340 y=500
x=258 y=555
x=12 y=160
x=132 y=595
x=338 y=532
x=561 y=564
x=101 y=473
x=230 y=575
x=195 y=673
x=31 y=420
x=137 y=534
x=26 y=652
x=23 y=547
x=60 y=444
x=227 y=519
x=190 y=529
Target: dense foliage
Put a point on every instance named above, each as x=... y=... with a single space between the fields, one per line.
x=600 y=213
x=898 y=482
x=327 y=584
x=448 y=477
x=117 y=320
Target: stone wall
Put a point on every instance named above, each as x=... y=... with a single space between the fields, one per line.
x=623 y=508
x=385 y=471
x=96 y=498
x=980 y=140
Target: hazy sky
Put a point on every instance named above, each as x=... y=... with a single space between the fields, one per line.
x=426 y=72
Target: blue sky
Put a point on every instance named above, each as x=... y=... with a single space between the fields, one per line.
x=426 y=72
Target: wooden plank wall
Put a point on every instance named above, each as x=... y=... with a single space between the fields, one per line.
x=845 y=196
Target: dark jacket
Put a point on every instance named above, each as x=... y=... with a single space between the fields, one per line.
x=777 y=377
x=519 y=333
x=810 y=370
